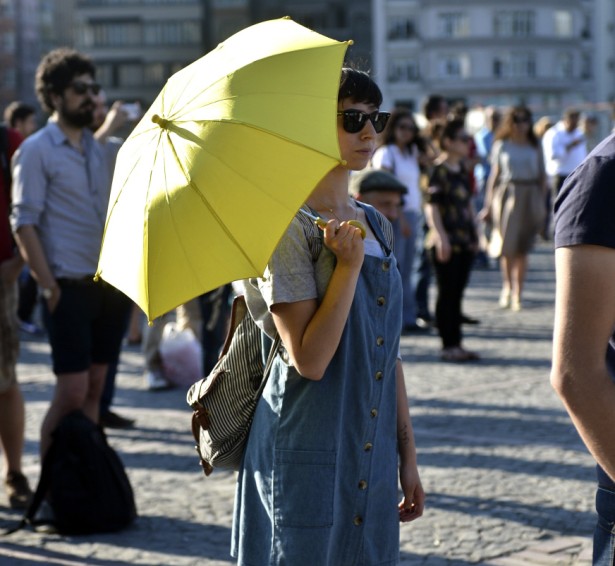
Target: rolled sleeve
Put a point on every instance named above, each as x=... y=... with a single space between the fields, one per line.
x=29 y=186
x=289 y=277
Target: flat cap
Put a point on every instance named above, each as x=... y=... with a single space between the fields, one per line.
x=370 y=180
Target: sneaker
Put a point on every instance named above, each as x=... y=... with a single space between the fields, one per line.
x=17 y=490
x=155 y=381
x=109 y=419
x=30 y=328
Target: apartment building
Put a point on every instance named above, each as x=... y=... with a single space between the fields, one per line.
x=540 y=52
x=138 y=44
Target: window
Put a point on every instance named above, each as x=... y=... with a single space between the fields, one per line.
x=453 y=24
x=402 y=28
x=563 y=23
x=454 y=66
x=130 y=74
x=110 y=34
x=154 y=74
x=563 y=65
x=404 y=70
x=172 y=33
x=515 y=65
x=514 y=23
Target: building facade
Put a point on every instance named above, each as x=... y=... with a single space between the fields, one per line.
x=542 y=53
x=138 y=44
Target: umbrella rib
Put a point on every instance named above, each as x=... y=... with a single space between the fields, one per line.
x=228 y=233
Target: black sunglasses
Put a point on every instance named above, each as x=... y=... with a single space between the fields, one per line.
x=81 y=87
x=354 y=120
x=521 y=119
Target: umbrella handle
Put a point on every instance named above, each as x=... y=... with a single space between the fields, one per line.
x=321 y=222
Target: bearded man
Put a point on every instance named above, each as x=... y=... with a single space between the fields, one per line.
x=61 y=185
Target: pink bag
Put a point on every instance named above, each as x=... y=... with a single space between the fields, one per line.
x=181 y=355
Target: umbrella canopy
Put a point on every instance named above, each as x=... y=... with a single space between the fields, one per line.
x=210 y=178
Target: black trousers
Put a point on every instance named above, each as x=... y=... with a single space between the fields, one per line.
x=451 y=278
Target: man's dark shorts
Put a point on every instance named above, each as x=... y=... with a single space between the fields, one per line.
x=87 y=325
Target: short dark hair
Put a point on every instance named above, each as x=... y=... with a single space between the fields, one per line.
x=359 y=87
x=432 y=105
x=55 y=72
x=451 y=129
x=17 y=111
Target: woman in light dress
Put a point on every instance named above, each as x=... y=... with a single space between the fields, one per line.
x=515 y=200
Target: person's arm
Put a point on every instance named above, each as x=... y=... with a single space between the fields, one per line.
x=114 y=120
x=485 y=213
x=310 y=332
x=31 y=250
x=584 y=321
x=441 y=241
x=413 y=502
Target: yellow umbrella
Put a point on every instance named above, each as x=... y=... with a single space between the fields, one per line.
x=210 y=178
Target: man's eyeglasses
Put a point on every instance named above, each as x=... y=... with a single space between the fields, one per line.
x=81 y=87
x=354 y=121
x=465 y=138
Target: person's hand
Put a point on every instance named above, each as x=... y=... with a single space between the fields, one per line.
x=345 y=241
x=10 y=269
x=412 y=505
x=116 y=118
x=53 y=301
x=443 y=248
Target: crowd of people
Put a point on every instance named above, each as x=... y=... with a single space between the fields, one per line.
x=441 y=200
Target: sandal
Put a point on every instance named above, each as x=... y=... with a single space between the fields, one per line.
x=458 y=355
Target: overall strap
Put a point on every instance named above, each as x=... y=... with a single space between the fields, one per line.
x=381 y=227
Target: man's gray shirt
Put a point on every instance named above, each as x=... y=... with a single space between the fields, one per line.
x=63 y=193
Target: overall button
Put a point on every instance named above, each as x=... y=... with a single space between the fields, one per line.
x=381 y=301
x=379 y=341
x=367 y=446
x=378 y=375
x=362 y=484
x=374 y=413
x=386 y=266
x=358 y=521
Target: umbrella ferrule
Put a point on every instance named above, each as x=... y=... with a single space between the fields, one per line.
x=164 y=124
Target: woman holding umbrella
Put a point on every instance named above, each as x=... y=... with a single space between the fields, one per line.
x=332 y=433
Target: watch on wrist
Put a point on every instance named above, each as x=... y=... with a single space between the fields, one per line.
x=47 y=292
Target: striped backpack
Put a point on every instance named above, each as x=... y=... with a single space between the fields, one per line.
x=224 y=402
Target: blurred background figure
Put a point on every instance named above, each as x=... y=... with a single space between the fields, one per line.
x=590 y=128
x=399 y=153
x=515 y=200
x=483 y=139
x=380 y=189
x=452 y=240
x=542 y=131
x=566 y=146
x=435 y=109
x=22 y=117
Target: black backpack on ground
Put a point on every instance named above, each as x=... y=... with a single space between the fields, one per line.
x=83 y=480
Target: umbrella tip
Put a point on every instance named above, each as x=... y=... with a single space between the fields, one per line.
x=350 y=42
x=160 y=121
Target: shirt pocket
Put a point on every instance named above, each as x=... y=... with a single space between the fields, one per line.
x=304 y=488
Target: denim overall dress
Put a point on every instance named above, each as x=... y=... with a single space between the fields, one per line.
x=319 y=480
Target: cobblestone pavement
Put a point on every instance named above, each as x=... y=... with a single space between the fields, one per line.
x=508 y=481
